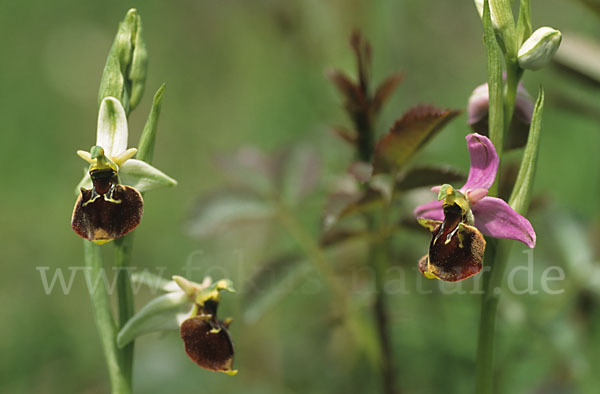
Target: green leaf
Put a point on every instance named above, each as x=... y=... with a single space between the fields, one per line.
x=524 y=28
x=139 y=64
x=504 y=24
x=160 y=314
x=227 y=209
x=521 y=194
x=148 y=138
x=408 y=135
x=125 y=70
x=154 y=281
x=300 y=174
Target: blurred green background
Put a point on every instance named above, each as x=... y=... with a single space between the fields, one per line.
x=252 y=72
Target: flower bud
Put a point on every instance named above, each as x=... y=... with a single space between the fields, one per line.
x=125 y=70
x=478 y=108
x=502 y=22
x=479 y=5
x=538 y=49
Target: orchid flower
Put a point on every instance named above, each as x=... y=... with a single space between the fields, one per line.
x=478 y=109
x=192 y=308
x=461 y=215
x=110 y=203
x=112 y=136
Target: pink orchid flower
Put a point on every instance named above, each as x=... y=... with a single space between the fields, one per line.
x=464 y=213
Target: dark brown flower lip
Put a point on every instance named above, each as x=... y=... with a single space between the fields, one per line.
x=456 y=249
x=208 y=343
x=103 y=217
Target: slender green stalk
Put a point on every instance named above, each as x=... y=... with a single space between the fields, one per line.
x=125 y=303
x=124 y=245
x=498 y=250
x=496 y=118
x=501 y=108
x=513 y=74
x=378 y=259
x=496 y=255
x=104 y=320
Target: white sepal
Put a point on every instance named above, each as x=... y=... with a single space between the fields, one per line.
x=112 y=127
x=143 y=177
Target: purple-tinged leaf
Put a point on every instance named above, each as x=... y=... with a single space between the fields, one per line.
x=428 y=176
x=354 y=97
x=408 y=135
x=362 y=51
x=385 y=90
x=345 y=134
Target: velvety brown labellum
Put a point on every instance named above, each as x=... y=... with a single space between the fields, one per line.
x=107 y=211
x=456 y=249
x=207 y=343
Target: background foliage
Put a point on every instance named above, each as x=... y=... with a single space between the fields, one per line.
x=253 y=73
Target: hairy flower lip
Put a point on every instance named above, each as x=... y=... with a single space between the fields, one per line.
x=208 y=343
x=456 y=249
x=493 y=216
x=106 y=218
x=206 y=339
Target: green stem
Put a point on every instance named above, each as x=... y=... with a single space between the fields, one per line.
x=513 y=75
x=104 y=319
x=123 y=247
x=379 y=261
x=496 y=256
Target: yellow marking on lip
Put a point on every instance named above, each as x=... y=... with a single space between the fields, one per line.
x=101 y=237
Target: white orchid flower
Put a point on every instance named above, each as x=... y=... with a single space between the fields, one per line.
x=112 y=137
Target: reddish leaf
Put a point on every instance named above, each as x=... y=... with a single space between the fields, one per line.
x=362 y=51
x=345 y=134
x=428 y=176
x=385 y=89
x=353 y=95
x=408 y=135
